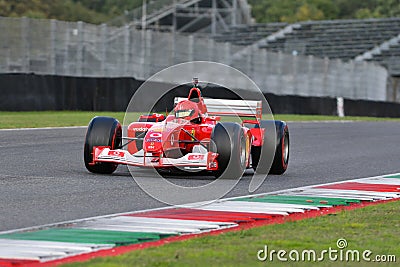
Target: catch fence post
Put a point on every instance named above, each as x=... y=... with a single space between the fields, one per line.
x=210 y=49
x=53 y=47
x=25 y=44
x=103 y=53
x=191 y=48
x=148 y=53
x=280 y=74
x=66 y=51
x=338 y=78
x=325 y=83
x=310 y=74
x=126 y=50
x=172 y=55
x=263 y=72
x=79 y=56
x=227 y=48
x=294 y=75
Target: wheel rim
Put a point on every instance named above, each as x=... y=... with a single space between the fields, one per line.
x=285 y=148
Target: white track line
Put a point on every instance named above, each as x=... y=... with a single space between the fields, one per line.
x=327 y=121
x=43 y=128
x=80 y=127
x=197 y=204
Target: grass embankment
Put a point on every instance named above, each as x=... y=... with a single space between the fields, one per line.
x=375 y=228
x=82 y=118
x=51 y=118
x=292 y=117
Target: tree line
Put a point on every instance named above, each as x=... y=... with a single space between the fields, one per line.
x=303 y=10
x=99 y=11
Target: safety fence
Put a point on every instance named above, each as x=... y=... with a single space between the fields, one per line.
x=85 y=50
x=32 y=92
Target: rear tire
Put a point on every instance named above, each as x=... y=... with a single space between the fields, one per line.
x=281 y=158
x=262 y=155
x=230 y=144
x=102 y=131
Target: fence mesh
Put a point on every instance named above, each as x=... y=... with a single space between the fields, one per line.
x=80 y=49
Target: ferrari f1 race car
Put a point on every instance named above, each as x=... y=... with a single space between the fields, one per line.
x=191 y=138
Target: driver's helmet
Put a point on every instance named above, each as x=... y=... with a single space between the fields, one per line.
x=187 y=110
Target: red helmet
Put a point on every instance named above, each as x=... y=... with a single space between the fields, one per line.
x=186 y=110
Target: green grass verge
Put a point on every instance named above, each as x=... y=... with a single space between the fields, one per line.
x=292 y=117
x=375 y=228
x=81 y=118
x=50 y=118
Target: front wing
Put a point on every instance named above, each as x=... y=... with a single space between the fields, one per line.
x=190 y=161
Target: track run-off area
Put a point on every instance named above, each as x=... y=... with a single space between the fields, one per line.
x=43 y=179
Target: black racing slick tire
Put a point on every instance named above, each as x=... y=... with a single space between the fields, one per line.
x=281 y=158
x=102 y=131
x=229 y=142
x=261 y=156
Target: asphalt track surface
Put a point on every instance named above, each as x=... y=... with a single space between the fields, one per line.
x=43 y=179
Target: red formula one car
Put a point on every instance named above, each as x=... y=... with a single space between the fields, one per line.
x=191 y=138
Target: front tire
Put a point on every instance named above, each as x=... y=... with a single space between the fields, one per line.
x=230 y=140
x=102 y=131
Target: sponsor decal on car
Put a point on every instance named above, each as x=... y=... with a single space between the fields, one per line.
x=140 y=129
x=116 y=153
x=193 y=133
x=155 y=135
x=196 y=157
x=156 y=140
x=206 y=129
x=213 y=165
x=159 y=130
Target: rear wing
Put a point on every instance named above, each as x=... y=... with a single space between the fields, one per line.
x=227 y=107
